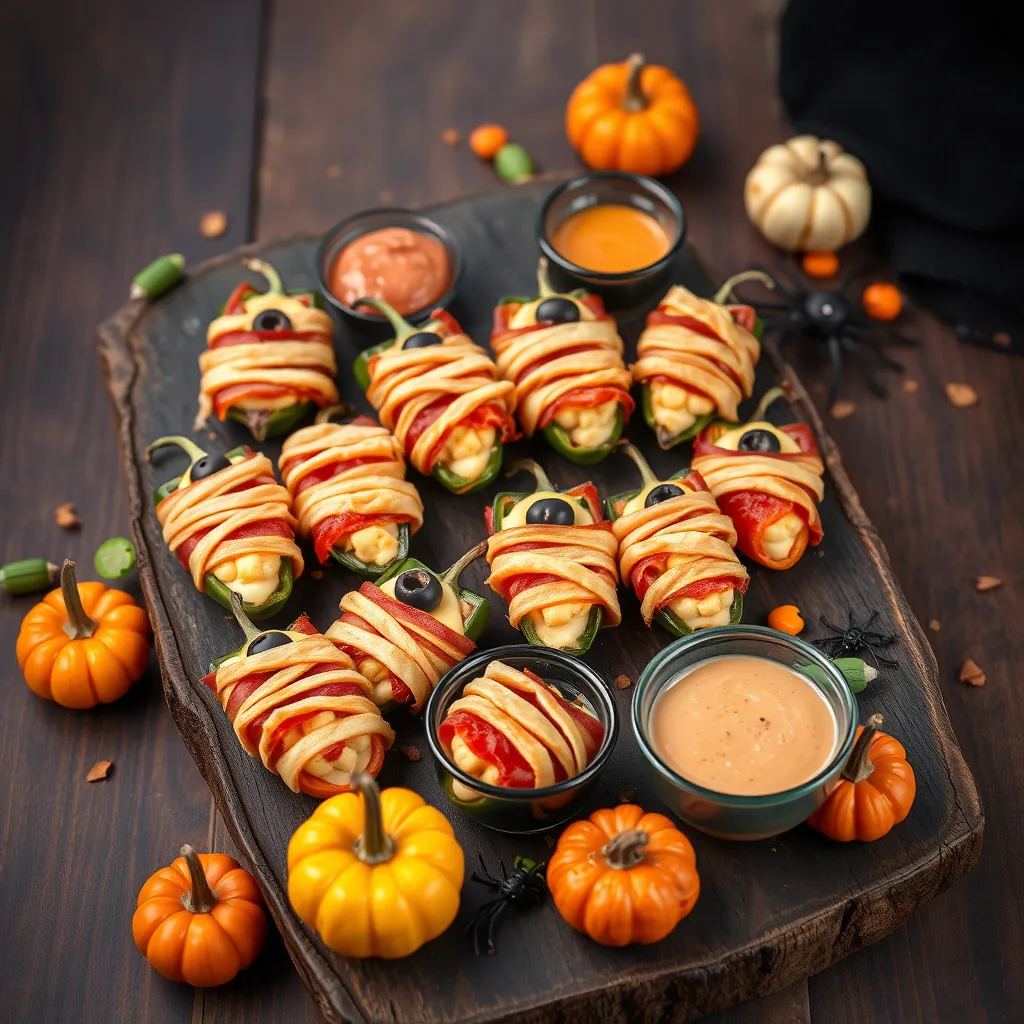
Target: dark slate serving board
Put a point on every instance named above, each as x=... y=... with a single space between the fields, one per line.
x=769 y=913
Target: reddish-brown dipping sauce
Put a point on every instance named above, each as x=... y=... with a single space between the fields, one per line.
x=406 y=269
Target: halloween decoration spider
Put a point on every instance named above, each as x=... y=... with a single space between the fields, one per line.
x=524 y=887
x=849 y=641
x=830 y=317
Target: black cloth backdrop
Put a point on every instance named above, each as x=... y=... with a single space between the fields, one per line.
x=930 y=96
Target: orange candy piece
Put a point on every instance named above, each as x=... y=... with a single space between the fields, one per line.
x=786 y=619
x=820 y=265
x=882 y=301
x=487 y=139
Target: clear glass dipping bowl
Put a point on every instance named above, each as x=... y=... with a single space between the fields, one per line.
x=721 y=814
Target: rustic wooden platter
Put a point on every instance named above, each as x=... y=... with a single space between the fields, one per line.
x=769 y=913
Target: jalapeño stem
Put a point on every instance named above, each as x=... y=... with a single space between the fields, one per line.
x=544 y=288
x=191 y=449
x=343 y=409
x=529 y=466
x=243 y=620
x=772 y=395
x=399 y=324
x=723 y=293
x=272 y=276
x=645 y=470
x=451 y=575
x=374 y=846
x=79 y=624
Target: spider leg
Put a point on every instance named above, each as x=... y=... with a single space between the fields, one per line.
x=835 y=358
x=871 y=618
x=781 y=306
x=774 y=323
x=492 y=925
x=891 y=333
x=828 y=625
x=791 y=273
x=881 y=355
x=872 y=381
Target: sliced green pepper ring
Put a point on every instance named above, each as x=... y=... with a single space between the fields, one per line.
x=115 y=558
x=558 y=438
x=460 y=485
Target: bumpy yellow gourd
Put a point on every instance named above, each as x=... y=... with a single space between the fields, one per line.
x=375 y=873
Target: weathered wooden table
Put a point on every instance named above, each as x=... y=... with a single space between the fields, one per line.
x=123 y=123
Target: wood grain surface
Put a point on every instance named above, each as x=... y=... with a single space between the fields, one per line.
x=124 y=124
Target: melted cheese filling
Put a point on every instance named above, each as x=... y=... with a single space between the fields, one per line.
x=779 y=537
x=449 y=611
x=588 y=427
x=676 y=409
x=374 y=545
x=253 y=577
x=468 y=450
x=713 y=610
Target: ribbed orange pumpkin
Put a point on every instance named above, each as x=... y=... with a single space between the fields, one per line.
x=83 y=644
x=632 y=117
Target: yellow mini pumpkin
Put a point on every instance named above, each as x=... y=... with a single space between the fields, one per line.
x=375 y=873
x=808 y=194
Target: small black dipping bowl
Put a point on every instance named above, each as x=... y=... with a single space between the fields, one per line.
x=630 y=288
x=351 y=228
x=522 y=811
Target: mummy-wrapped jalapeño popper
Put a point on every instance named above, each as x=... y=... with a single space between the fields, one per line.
x=230 y=524
x=298 y=704
x=440 y=395
x=768 y=481
x=409 y=628
x=696 y=359
x=552 y=558
x=676 y=551
x=564 y=355
x=349 y=492
x=270 y=359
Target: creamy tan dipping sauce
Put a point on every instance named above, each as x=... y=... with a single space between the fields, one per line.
x=743 y=725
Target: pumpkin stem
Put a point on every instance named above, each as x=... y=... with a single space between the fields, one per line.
x=819 y=175
x=544 y=288
x=634 y=100
x=343 y=410
x=859 y=767
x=451 y=575
x=272 y=276
x=399 y=324
x=190 y=448
x=78 y=624
x=543 y=483
x=771 y=395
x=199 y=899
x=250 y=630
x=374 y=846
x=723 y=293
x=625 y=850
x=642 y=464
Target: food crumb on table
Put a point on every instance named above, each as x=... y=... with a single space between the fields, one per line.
x=66 y=516
x=213 y=223
x=910 y=385
x=963 y=396
x=410 y=752
x=100 y=770
x=843 y=409
x=622 y=681
x=984 y=583
x=451 y=136
x=972 y=674
x=934 y=625
x=334 y=171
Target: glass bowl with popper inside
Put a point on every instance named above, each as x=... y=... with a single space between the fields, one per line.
x=745 y=729
x=506 y=808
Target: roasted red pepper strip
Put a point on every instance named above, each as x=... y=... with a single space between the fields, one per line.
x=490 y=745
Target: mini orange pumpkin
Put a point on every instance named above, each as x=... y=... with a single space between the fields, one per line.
x=632 y=117
x=83 y=644
x=200 y=920
x=623 y=876
x=876 y=789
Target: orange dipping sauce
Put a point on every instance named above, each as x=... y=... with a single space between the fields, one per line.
x=611 y=238
x=407 y=269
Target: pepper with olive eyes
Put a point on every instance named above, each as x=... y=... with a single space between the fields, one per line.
x=230 y=524
x=418 y=381
x=552 y=558
x=676 y=551
x=564 y=355
x=270 y=359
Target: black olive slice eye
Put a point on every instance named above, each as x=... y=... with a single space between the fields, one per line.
x=550 y=512
x=557 y=310
x=421 y=339
x=662 y=493
x=207 y=466
x=419 y=589
x=271 y=320
x=268 y=641
x=759 y=440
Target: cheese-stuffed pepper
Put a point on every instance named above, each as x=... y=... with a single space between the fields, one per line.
x=231 y=526
x=270 y=358
x=511 y=728
x=695 y=360
x=298 y=704
x=676 y=551
x=768 y=481
x=564 y=355
x=408 y=629
x=552 y=558
x=349 y=492
x=440 y=395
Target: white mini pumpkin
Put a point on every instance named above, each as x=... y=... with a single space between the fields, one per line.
x=808 y=194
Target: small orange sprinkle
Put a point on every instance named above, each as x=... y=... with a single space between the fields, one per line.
x=786 y=619
x=882 y=301
x=100 y=770
x=486 y=140
x=213 y=224
x=820 y=265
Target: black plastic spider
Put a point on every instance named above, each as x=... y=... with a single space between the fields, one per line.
x=847 y=642
x=524 y=887
x=830 y=317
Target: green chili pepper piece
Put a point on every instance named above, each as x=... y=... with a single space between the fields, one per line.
x=674 y=625
x=666 y=440
x=115 y=558
x=263 y=425
x=158 y=277
x=460 y=485
x=856 y=671
x=558 y=438
x=582 y=645
x=513 y=163
x=372 y=571
x=221 y=593
x=28 y=575
x=361 y=367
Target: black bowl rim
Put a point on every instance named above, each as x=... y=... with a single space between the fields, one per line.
x=605 y=277
x=573 y=666
x=451 y=244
